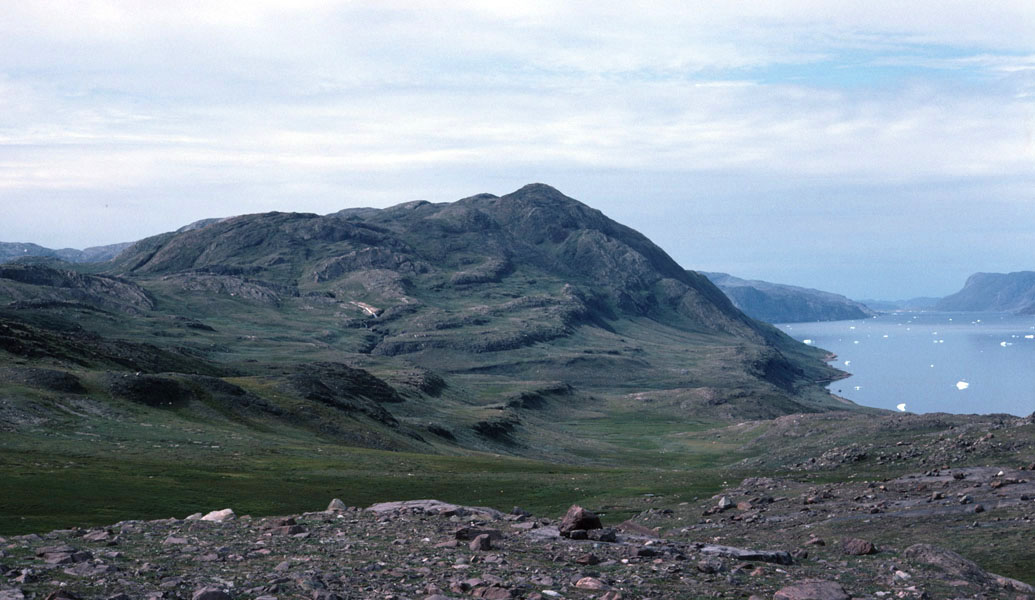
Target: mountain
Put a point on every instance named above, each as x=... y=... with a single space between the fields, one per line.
x=919 y=303
x=13 y=251
x=527 y=326
x=778 y=303
x=994 y=292
x=489 y=297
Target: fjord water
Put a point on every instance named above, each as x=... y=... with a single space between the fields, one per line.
x=932 y=362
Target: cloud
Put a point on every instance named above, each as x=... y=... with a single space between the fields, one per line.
x=233 y=107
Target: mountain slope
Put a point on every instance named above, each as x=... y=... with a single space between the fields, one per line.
x=778 y=303
x=996 y=292
x=463 y=308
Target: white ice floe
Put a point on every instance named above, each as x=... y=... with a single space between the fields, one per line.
x=1029 y=337
x=858 y=387
x=806 y=341
x=885 y=335
x=848 y=362
x=1005 y=344
x=962 y=385
x=902 y=407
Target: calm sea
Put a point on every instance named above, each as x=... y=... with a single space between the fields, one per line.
x=932 y=362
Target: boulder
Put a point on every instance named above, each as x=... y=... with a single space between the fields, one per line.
x=590 y=583
x=218 y=516
x=948 y=561
x=578 y=518
x=469 y=533
x=481 y=542
x=210 y=593
x=812 y=590
x=771 y=556
x=337 y=505
x=602 y=535
x=857 y=547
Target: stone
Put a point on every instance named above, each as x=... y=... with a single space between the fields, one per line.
x=469 y=533
x=603 y=535
x=709 y=566
x=772 y=556
x=590 y=583
x=725 y=504
x=434 y=507
x=637 y=529
x=493 y=592
x=948 y=561
x=336 y=506
x=210 y=593
x=101 y=535
x=578 y=518
x=857 y=547
x=219 y=516
x=12 y=594
x=612 y=595
x=481 y=542
x=62 y=595
x=62 y=549
x=588 y=559
x=812 y=590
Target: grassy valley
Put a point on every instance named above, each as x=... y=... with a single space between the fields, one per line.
x=498 y=351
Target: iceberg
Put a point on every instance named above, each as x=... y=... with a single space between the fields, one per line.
x=962 y=385
x=902 y=407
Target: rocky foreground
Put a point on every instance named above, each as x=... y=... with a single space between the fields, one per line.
x=766 y=538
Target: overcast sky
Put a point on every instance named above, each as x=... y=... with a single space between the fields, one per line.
x=876 y=149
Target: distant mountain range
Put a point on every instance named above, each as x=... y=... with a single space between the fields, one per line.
x=11 y=251
x=778 y=303
x=911 y=304
x=994 y=292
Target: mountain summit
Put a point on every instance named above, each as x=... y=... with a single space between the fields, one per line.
x=535 y=242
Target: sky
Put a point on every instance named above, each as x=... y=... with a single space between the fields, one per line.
x=879 y=149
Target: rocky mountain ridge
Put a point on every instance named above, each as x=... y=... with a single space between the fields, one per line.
x=994 y=292
x=779 y=303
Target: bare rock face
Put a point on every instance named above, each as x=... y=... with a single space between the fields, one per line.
x=812 y=590
x=579 y=518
